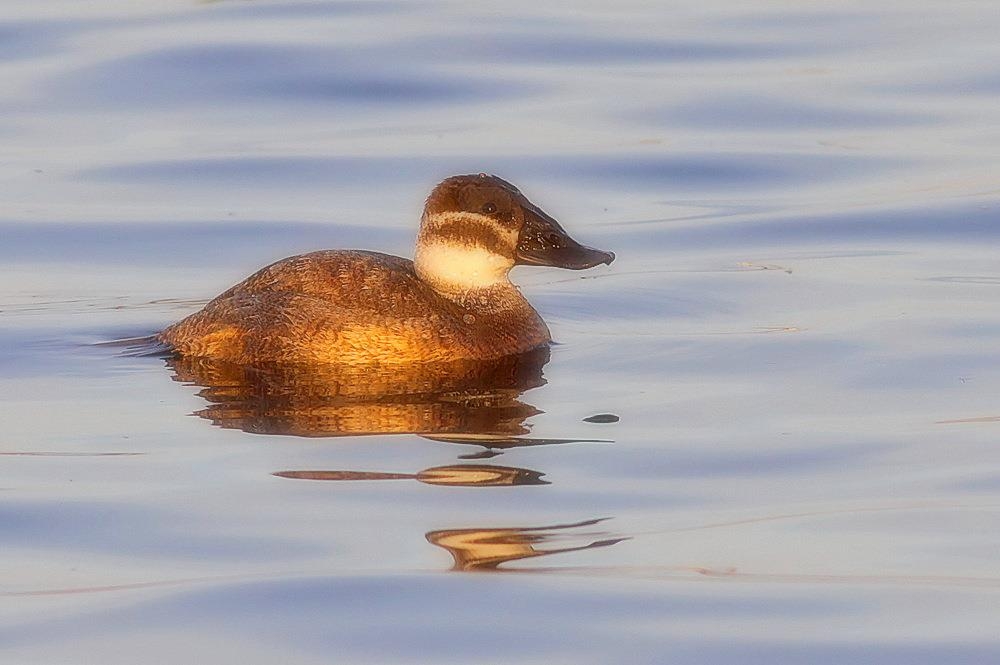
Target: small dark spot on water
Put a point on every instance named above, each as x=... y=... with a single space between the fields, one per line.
x=602 y=418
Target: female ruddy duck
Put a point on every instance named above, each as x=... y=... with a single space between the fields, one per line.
x=454 y=301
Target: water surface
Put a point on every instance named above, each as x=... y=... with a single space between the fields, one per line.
x=768 y=432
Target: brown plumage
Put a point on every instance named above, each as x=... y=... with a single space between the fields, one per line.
x=355 y=307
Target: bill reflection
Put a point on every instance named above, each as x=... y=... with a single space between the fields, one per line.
x=458 y=475
x=485 y=549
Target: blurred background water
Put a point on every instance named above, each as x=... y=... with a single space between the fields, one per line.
x=794 y=361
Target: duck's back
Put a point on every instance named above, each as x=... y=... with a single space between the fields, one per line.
x=356 y=279
x=337 y=306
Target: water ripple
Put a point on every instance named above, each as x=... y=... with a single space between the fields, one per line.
x=207 y=74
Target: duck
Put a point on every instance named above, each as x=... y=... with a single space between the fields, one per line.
x=453 y=302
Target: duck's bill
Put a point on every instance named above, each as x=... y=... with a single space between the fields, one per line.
x=544 y=243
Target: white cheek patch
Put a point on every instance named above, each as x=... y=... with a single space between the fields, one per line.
x=466 y=218
x=461 y=266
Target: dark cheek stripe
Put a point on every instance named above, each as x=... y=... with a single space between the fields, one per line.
x=478 y=235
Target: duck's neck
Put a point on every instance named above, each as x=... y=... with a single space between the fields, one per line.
x=499 y=315
x=466 y=259
x=459 y=252
x=497 y=299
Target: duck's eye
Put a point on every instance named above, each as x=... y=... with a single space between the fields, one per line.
x=490 y=208
x=554 y=239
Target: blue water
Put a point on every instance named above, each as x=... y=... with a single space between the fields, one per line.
x=796 y=353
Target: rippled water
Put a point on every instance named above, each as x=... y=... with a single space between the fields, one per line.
x=768 y=432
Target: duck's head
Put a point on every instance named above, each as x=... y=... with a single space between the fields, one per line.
x=476 y=228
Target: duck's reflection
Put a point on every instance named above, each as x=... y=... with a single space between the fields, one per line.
x=457 y=475
x=469 y=402
x=486 y=549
